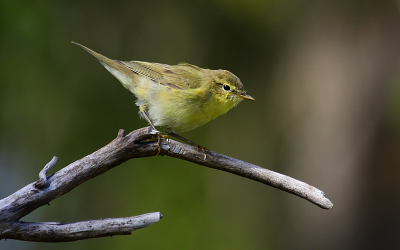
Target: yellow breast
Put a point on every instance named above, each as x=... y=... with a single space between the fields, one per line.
x=182 y=110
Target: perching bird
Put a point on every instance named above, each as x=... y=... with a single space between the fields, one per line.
x=178 y=97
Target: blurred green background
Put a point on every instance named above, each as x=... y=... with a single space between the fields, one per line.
x=325 y=75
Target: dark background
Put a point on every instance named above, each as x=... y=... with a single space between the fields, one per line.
x=325 y=75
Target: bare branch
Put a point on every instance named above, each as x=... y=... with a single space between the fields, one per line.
x=247 y=170
x=134 y=145
x=63 y=232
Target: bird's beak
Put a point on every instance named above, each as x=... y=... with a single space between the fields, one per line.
x=246 y=97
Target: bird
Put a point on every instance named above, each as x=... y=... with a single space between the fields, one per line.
x=178 y=97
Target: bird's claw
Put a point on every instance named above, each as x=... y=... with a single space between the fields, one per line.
x=154 y=131
x=202 y=150
x=159 y=137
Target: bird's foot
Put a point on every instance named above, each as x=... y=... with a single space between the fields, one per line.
x=197 y=146
x=160 y=136
x=202 y=150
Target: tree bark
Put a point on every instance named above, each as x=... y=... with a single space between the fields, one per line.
x=138 y=143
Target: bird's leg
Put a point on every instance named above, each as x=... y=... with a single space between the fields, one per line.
x=154 y=131
x=191 y=143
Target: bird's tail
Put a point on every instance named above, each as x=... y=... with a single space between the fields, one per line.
x=115 y=67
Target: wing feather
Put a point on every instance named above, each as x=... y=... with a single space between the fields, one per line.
x=181 y=76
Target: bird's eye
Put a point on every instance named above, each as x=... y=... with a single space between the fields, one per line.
x=226 y=87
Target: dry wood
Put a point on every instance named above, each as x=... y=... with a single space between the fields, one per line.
x=134 y=145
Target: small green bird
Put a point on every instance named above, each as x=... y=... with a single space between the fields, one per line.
x=178 y=97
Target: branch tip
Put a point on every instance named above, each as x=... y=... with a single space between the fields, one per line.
x=43 y=181
x=121 y=133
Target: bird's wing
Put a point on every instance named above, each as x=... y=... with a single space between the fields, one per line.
x=149 y=70
x=181 y=76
